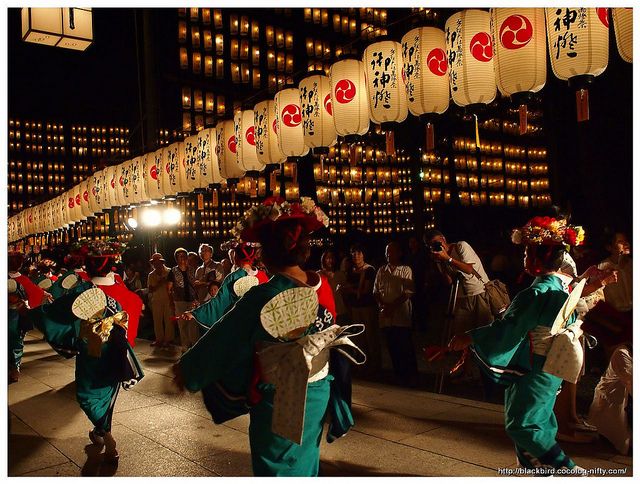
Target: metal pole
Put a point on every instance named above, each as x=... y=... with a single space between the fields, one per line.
x=446 y=331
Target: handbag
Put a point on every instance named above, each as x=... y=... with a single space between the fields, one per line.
x=496 y=294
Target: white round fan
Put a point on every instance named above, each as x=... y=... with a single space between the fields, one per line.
x=45 y=283
x=12 y=286
x=89 y=303
x=69 y=281
x=242 y=285
x=286 y=315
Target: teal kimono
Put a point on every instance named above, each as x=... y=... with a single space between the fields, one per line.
x=504 y=350
x=221 y=365
x=211 y=311
x=16 y=329
x=98 y=379
x=56 y=289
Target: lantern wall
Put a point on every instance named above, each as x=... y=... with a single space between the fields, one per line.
x=266 y=133
x=317 y=118
x=385 y=85
x=246 y=141
x=426 y=70
x=349 y=100
x=623 y=27
x=226 y=145
x=470 y=53
x=520 y=49
x=578 y=41
x=289 y=122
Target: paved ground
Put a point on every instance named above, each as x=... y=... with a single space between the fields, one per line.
x=161 y=433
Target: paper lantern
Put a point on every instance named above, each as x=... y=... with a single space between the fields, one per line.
x=84 y=200
x=317 y=118
x=153 y=174
x=111 y=200
x=71 y=28
x=191 y=162
x=349 y=101
x=140 y=194
x=121 y=200
x=246 y=141
x=385 y=84
x=623 y=27
x=183 y=185
x=170 y=173
x=71 y=205
x=227 y=147
x=520 y=52
x=95 y=192
x=208 y=170
x=289 y=122
x=266 y=133
x=578 y=41
x=77 y=208
x=470 y=54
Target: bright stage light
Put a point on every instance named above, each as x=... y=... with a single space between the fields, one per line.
x=151 y=217
x=132 y=222
x=171 y=216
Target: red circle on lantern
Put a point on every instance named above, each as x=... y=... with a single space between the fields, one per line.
x=250 y=135
x=113 y=183
x=86 y=195
x=480 y=47
x=516 y=32
x=78 y=199
x=121 y=182
x=327 y=104
x=291 y=115
x=275 y=126
x=71 y=202
x=437 y=62
x=93 y=191
x=231 y=143
x=603 y=15
x=30 y=218
x=345 y=91
x=153 y=171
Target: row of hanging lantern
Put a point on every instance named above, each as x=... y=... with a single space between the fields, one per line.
x=477 y=54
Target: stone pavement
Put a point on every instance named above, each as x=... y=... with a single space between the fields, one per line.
x=398 y=432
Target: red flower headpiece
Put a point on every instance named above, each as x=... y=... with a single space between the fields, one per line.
x=548 y=231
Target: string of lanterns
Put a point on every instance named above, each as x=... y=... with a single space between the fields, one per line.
x=477 y=54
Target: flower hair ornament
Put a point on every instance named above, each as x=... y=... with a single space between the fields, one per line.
x=548 y=231
x=275 y=209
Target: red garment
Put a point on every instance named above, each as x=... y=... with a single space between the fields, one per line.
x=117 y=278
x=325 y=296
x=262 y=277
x=130 y=303
x=83 y=275
x=35 y=294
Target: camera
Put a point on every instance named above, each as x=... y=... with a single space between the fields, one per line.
x=436 y=247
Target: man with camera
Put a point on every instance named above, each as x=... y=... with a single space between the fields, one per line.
x=459 y=260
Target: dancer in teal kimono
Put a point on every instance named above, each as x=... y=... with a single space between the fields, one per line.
x=229 y=364
x=17 y=306
x=245 y=256
x=512 y=349
x=104 y=358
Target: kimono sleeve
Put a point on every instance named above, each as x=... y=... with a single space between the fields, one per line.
x=227 y=345
x=210 y=312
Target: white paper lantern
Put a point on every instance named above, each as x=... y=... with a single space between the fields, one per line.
x=266 y=133
x=77 y=193
x=385 y=84
x=136 y=170
x=226 y=146
x=246 y=141
x=183 y=185
x=191 y=167
x=153 y=174
x=317 y=117
x=120 y=185
x=349 y=100
x=170 y=173
x=208 y=169
x=578 y=41
x=84 y=200
x=94 y=190
x=623 y=27
x=426 y=70
x=520 y=49
x=111 y=200
x=289 y=122
x=71 y=28
x=470 y=55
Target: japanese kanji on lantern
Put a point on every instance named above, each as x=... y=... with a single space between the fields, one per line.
x=183 y=186
x=153 y=174
x=425 y=70
x=289 y=122
x=266 y=133
x=520 y=54
x=84 y=200
x=128 y=187
x=208 y=171
x=246 y=141
x=112 y=199
x=470 y=54
x=191 y=162
x=171 y=174
x=121 y=201
x=317 y=118
x=140 y=194
x=578 y=39
x=95 y=192
x=77 y=193
x=349 y=100
x=226 y=144
x=623 y=28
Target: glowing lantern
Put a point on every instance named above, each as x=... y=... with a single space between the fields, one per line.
x=289 y=122
x=519 y=41
x=153 y=174
x=246 y=141
x=171 y=185
x=317 y=119
x=578 y=47
x=84 y=200
x=226 y=145
x=470 y=54
x=120 y=185
x=425 y=69
x=266 y=133
x=183 y=186
x=191 y=167
x=208 y=171
x=140 y=194
x=349 y=101
x=71 y=28
x=95 y=191
x=77 y=207
x=623 y=27
x=112 y=189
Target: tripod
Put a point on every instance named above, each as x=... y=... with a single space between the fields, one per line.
x=448 y=325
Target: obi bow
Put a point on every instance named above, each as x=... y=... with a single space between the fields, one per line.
x=290 y=366
x=98 y=329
